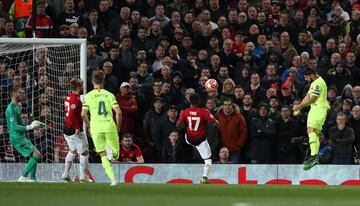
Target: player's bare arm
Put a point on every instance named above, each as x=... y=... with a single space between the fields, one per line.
x=118 y=116
x=84 y=115
x=308 y=99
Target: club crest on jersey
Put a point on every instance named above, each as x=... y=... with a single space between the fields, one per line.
x=11 y=119
x=73 y=106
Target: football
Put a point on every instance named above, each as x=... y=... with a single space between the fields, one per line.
x=211 y=85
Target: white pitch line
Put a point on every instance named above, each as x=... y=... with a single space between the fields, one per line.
x=241 y=204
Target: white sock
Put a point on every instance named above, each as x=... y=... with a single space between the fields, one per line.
x=84 y=164
x=68 y=162
x=207 y=167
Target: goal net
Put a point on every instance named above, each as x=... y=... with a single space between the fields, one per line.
x=43 y=68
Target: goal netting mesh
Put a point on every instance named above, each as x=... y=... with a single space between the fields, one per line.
x=44 y=72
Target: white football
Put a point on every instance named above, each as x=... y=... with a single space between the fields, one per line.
x=211 y=85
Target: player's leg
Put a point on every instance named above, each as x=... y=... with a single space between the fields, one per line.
x=205 y=153
x=100 y=144
x=27 y=149
x=36 y=157
x=315 y=122
x=70 y=140
x=313 y=141
x=112 y=141
x=82 y=149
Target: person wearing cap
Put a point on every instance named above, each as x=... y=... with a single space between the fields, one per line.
x=346 y=107
x=152 y=118
x=239 y=42
x=262 y=131
x=317 y=99
x=63 y=31
x=287 y=96
x=129 y=108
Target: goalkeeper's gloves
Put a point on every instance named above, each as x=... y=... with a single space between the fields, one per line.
x=35 y=124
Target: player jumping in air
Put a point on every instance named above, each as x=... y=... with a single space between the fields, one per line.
x=17 y=131
x=195 y=118
x=73 y=132
x=317 y=99
x=103 y=129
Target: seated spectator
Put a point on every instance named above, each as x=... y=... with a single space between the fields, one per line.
x=129 y=152
x=173 y=150
x=223 y=156
x=343 y=137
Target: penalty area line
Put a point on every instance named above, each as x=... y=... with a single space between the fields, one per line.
x=241 y=204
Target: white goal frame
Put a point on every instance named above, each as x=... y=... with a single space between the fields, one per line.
x=50 y=41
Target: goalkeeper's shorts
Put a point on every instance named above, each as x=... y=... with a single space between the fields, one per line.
x=23 y=145
x=101 y=139
x=316 y=118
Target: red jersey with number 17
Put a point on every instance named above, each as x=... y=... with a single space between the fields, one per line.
x=72 y=108
x=196 y=119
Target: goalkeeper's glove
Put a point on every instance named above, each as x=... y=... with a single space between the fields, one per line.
x=35 y=124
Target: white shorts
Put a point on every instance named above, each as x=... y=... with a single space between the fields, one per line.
x=78 y=143
x=203 y=148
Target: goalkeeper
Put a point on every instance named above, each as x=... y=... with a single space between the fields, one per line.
x=17 y=131
x=317 y=99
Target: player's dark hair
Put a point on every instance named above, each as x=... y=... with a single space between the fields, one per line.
x=75 y=83
x=98 y=76
x=308 y=71
x=195 y=100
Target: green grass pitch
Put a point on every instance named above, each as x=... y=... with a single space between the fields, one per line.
x=75 y=194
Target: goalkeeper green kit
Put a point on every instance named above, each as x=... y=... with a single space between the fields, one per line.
x=17 y=130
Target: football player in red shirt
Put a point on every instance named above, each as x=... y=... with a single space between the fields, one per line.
x=130 y=152
x=195 y=119
x=73 y=131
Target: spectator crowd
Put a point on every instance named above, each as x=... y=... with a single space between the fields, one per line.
x=156 y=53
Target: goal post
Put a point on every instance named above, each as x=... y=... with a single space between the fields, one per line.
x=43 y=68
x=53 y=41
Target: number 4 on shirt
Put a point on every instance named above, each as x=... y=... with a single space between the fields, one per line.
x=102 y=109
